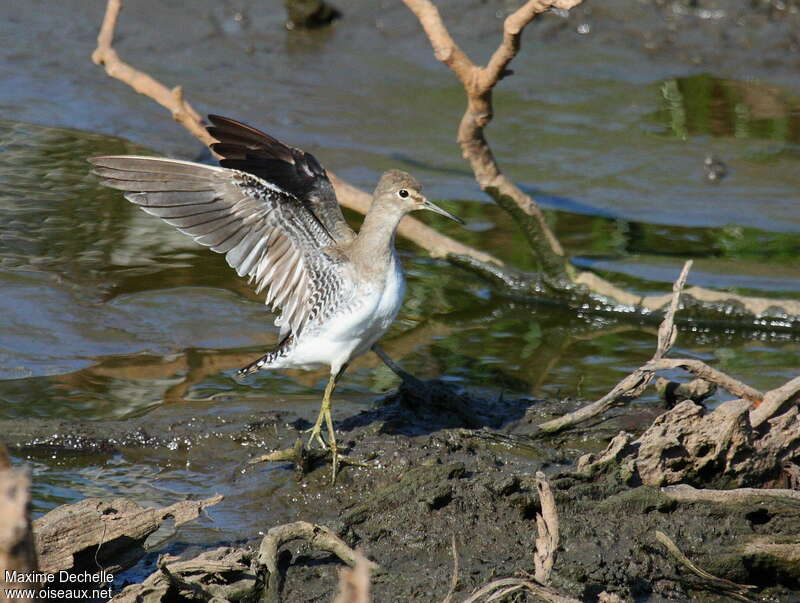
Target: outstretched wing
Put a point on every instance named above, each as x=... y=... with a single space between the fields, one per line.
x=264 y=232
x=249 y=150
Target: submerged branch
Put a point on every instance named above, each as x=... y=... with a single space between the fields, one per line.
x=558 y=280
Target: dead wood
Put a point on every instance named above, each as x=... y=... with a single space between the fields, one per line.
x=496 y=590
x=17 y=552
x=544 y=556
x=223 y=574
x=318 y=537
x=454 y=580
x=562 y=280
x=632 y=386
x=737 y=591
x=774 y=400
x=702 y=370
x=108 y=532
x=438 y=245
x=696 y=390
x=689 y=444
x=588 y=465
x=686 y=493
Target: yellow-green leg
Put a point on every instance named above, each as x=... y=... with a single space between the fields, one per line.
x=325 y=415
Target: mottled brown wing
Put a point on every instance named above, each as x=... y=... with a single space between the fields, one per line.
x=264 y=232
x=245 y=148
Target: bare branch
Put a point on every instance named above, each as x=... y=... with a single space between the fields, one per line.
x=438 y=245
x=702 y=370
x=544 y=556
x=633 y=385
x=17 y=552
x=509 y=585
x=173 y=99
x=773 y=400
x=318 y=537
x=478 y=83
x=738 y=591
x=561 y=277
x=686 y=493
x=454 y=580
x=444 y=48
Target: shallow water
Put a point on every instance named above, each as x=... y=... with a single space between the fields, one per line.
x=107 y=314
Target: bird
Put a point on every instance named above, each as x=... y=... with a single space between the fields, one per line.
x=272 y=210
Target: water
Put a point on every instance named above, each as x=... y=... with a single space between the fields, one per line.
x=109 y=314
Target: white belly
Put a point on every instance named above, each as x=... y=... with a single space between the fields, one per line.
x=350 y=334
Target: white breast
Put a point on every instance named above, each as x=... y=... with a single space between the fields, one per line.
x=352 y=333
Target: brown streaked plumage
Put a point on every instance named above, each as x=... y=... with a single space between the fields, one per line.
x=272 y=211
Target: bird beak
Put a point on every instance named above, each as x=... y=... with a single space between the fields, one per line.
x=435 y=208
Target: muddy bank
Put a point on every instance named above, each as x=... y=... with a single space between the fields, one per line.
x=444 y=464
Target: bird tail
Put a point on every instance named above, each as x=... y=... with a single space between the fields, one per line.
x=268 y=360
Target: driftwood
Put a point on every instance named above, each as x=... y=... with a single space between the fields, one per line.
x=223 y=574
x=578 y=289
x=103 y=533
x=498 y=589
x=690 y=445
x=632 y=386
x=544 y=557
x=719 y=585
x=455 y=579
x=17 y=552
x=233 y=574
x=686 y=493
x=695 y=390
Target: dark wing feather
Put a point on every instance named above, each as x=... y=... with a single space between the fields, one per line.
x=264 y=232
x=249 y=150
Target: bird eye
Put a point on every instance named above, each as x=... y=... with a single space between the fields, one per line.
x=403 y=193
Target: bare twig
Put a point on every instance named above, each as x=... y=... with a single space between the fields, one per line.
x=561 y=275
x=438 y=245
x=454 y=580
x=773 y=400
x=508 y=585
x=318 y=537
x=547 y=527
x=172 y=99
x=478 y=84
x=686 y=493
x=702 y=370
x=633 y=385
x=738 y=591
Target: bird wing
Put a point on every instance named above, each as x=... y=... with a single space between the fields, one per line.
x=295 y=171
x=264 y=232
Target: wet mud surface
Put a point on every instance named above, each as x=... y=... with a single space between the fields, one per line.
x=442 y=464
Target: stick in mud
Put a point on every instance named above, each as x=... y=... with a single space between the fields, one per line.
x=738 y=591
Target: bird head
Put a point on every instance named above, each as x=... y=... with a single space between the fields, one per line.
x=402 y=190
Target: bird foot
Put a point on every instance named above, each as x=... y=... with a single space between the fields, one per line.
x=316 y=435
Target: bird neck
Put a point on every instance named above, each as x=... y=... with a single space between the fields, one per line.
x=374 y=245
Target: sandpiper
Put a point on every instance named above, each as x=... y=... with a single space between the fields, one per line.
x=271 y=209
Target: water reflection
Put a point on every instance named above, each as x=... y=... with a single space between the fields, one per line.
x=108 y=313
x=706 y=105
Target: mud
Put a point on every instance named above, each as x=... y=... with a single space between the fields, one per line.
x=444 y=464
